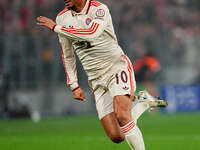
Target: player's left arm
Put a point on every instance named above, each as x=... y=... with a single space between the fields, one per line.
x=101 y=19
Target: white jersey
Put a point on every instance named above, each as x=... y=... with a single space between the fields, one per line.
x=91 y=35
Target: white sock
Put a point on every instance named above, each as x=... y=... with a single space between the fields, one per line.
x=138 y=110
x=133 y=136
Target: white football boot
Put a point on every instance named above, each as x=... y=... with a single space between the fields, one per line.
x=152 y=101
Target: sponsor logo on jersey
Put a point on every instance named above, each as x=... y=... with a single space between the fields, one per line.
x=87 y=21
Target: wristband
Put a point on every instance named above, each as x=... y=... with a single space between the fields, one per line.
x=75 y=88
x=54 y=27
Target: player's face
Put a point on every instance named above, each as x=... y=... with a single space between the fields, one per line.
x=70 y=3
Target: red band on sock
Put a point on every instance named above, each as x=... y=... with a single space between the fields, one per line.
x=128 y=127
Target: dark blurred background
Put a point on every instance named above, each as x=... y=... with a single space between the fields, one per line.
x=161 y=37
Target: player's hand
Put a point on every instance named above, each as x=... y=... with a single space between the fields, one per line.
x=78 y=94
x=47 y=22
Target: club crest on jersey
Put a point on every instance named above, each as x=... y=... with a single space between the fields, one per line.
x=100 y=13
x=87 y=21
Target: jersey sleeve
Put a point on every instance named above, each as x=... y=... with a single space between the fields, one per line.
x=101 y=17
x=69 y=61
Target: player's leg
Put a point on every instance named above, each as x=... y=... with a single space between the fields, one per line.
x=115 y=133
x=118 y=125
x=104 y=107
x=122 y=110
x=127 y=79
x=145 y=101
x=121 y=85
x=138 y=110
x=112 y=128
x=116 y=113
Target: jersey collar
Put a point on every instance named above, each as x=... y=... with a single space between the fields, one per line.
x=84 y=10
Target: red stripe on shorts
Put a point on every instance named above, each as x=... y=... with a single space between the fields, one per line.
x=130 y=69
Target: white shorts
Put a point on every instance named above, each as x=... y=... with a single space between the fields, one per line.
x=119 y=80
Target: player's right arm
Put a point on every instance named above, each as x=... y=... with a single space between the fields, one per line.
x=68 y=58
x=69 y=62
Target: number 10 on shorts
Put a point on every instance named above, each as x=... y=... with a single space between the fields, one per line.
x=121 y=76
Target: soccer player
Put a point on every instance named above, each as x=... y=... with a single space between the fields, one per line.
x=85 y=27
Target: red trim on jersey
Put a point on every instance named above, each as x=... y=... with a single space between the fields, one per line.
x=88 y=31
x=93 y=92
x=95 y=3
x=63 y=11
x=75 y=88
x=54 y=27
x=63 y=60
x=130 y=69
x=88 y=7
x=79 y=30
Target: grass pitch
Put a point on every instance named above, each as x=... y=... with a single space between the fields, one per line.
x=161 y=132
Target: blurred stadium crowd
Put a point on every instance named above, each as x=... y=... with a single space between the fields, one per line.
x=168 y=31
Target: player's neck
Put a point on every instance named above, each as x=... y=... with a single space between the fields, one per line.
x=80 y=5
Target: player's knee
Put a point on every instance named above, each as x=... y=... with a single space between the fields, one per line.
x=116 y=138
x=122 y=109
x=123 y=117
